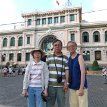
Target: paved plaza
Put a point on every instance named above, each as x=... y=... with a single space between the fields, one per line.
x=11 y=87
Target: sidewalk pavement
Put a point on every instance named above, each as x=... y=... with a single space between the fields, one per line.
x=5 y=106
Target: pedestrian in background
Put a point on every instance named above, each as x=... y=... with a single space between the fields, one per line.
x=104 y=73
x=23 y=70
x=35 y=80
x=4 y=71
x=78 y=95
x=58 y=75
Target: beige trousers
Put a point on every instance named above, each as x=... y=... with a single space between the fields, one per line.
x=78 y=101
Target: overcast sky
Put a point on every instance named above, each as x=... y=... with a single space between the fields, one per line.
x=11 y=10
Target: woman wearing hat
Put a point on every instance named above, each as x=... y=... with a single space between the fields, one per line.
x=35 y=80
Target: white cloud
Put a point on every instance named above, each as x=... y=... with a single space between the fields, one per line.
x=97 y=15
x=8 y=12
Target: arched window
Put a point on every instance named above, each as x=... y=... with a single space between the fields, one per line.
x=12 y=41
x=96 y=36
x=20 y=41
x=86 y=55
x=5 y=42
x=105 y=36
x=85 y=37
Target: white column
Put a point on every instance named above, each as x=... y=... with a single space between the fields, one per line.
x=1 y=43
x=23 y=56
x=41 y=21
x=102 y=37
x=7 y=57
x=15 y=57
x=46 y=21
x=78 y=36
x=8 y=42
x=24 y=38
x=91 y=37
x=16 y=42
x=68 y=18
x=59 y=19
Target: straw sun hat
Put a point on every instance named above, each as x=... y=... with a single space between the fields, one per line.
x=37 y=50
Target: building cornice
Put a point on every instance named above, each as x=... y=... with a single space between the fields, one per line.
x=93 y=25
x=11 y=32
x=52 y=12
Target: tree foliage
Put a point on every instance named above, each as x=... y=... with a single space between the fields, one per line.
x=95 y=66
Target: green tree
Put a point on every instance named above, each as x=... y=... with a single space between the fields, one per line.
x=95 y=66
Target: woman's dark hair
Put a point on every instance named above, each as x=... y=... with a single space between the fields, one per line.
x=44 y=58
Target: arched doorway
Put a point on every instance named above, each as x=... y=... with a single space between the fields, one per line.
x=47 y=43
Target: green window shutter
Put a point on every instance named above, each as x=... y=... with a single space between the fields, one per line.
x=96 y=36
x=85 y=37
x=12 y=41
x=27 y=56
x=38 y=22
x=105 y=36
x=44 y=21
x=55 y=19
x=29 y=22
x=5 y=42
x=50 y=20
x=72 y=18
x=73 y=37
x=28 y=40
x=20 y=41
x=62 y=19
